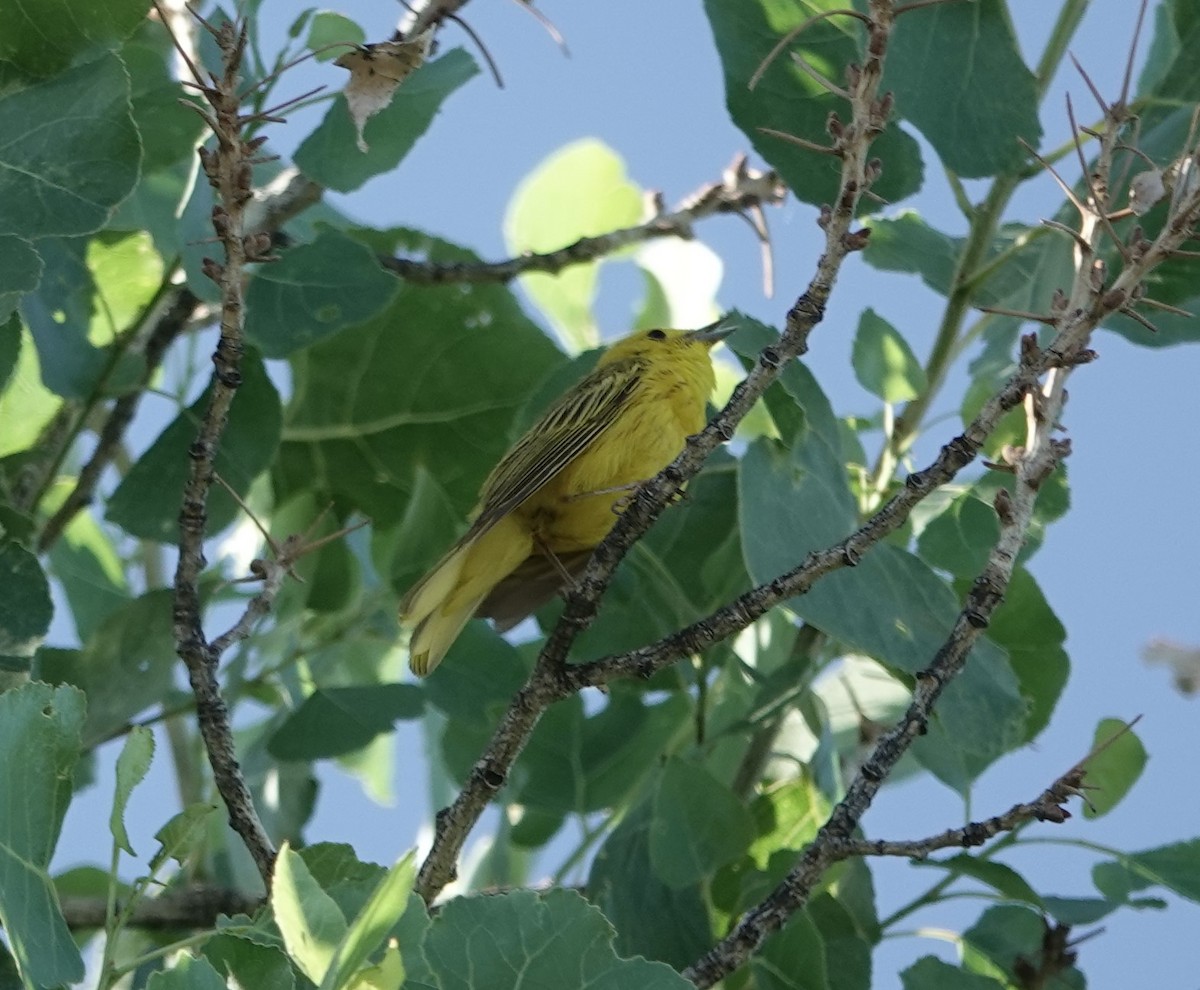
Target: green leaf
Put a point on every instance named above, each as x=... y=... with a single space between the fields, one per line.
x=579 y=763
x=126 y=666
x=329 y=28
x=20 y=272
x=87 y=565
x=146 y=503
x=388 y=974
x=1032 y=635
x=1032 y=267
x=528 y=939
x=341 y=874
x=883 y=362
x=574 y=763
x=311 y=923
x=698 y=826
x=91 y=291
x=996 y=875
x=430 y=523
x=372 y=924
x=10 y=337
x=788 y=100
x=248 y=963
x=891 y=606
x=26 y=405
x=1079 y=910
x=788 y=816
x=1118 y=760
x=847 y=941
x=625 y=887
x=179 y=837
x=338 y=720
x=977 y=124
x=132 y=765
x=1175 y=866
x=481 y=671
x=794 y=958
x=906 y=243
x=58 y=314
x=313 y=291
x=330 y=156
x=353 y=885
x=71 y=151
x=39 y=732
x=372 y=406
x=682 y=279
x=25 y=605
x=169 y=130
x=128 y=274
x=580 y=190
x=930 y=973
x=42 y=38
x=1172 y=71
x=960 y=538
x=187 y=973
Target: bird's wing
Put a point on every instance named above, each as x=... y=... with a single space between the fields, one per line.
x=563 y=432
x=535 y=581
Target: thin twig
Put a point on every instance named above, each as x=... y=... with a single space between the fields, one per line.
x=547 y=24
x=487 y=55
x=196 y=906
x=740 y=189
x=1046 y=807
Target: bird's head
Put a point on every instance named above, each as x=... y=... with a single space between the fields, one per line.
x=663 y=345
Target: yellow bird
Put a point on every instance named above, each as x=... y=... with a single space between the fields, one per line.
x=554 y=496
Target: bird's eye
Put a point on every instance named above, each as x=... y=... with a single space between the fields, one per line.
x=657 y=335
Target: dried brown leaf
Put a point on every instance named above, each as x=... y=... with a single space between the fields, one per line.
x=376 y=71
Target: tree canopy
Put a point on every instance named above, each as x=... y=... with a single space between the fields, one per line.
x=237 y=424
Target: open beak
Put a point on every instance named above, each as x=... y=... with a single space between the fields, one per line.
x=714 y=332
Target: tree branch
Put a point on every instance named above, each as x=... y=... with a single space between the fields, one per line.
x=1046 y=807
x=190 y=907
x=229 y=171
x=741 y=189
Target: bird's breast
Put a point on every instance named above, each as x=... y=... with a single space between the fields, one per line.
x=576 y=509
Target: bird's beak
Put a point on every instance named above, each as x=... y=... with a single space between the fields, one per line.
x=714 y=332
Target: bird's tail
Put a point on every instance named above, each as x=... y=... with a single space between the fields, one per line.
x=441 y=603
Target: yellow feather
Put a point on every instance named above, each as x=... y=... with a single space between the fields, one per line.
x=554 y=494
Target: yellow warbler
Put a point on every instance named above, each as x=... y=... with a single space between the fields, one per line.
x=554 y=495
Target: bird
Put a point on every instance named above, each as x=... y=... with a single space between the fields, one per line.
x=556 y=493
